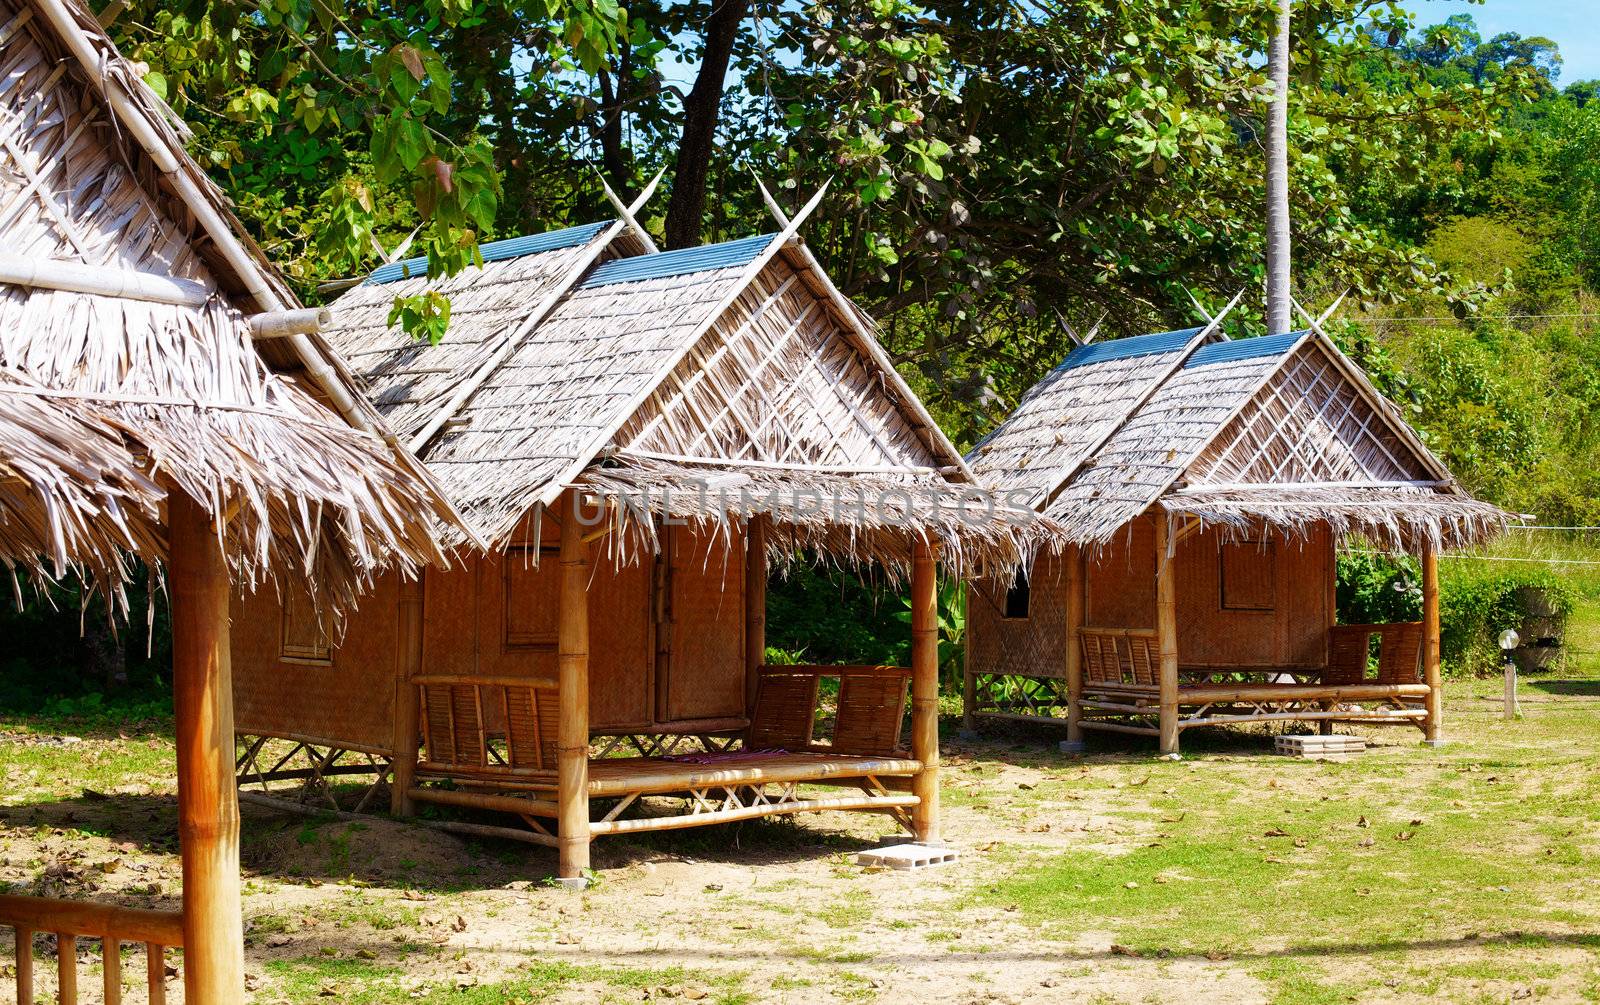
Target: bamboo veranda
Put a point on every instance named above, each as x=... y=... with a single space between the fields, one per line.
x=1204 y=484
x=147 y=417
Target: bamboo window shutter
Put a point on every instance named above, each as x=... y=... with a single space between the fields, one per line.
x=305 y=637
x=530 y=600
x=1249 y=575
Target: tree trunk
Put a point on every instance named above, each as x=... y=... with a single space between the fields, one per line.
x=1279 y=317
x=701 y=107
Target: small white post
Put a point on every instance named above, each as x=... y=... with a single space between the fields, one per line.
x=1508 y=644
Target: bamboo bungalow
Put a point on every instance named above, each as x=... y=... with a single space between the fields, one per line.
x=1204 y=484
x=140 y=417
x=634 y=434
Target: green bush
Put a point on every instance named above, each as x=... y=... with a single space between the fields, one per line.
x=1477 y=600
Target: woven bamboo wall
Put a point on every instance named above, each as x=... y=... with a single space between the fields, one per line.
x=1293 y=574
x=1035 y=646
x=346 y=702
x=706 y=667
x=1290 y=633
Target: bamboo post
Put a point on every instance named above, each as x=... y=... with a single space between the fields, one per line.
x=111 y=969
x=24 y=964
x=1167 y=633
x=1430 y=645
x=1077 y=592
x=407 y=666
x=572 y=744
x=969 y=675
x=755 y=609
x=66 y=968
x=1325 y=727
x=925 y=693
x=208 y=805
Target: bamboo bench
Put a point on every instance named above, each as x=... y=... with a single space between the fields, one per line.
x=1121 y=681
x=495 y=737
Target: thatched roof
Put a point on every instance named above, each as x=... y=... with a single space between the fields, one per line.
x=160 y=357
x=1281 y=431
x=1068 y=414
x=655 y=376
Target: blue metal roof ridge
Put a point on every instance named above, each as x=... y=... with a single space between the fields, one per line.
x=680 y=262
x=495 y=251
x=1129 y=348
x=1244 y=348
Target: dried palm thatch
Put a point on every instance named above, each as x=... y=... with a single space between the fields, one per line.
x=713 y=384
x=292 y=487
x=71 y=493
x=1280 y=432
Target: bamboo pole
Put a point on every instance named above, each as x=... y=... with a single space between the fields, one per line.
x=969 y=675
x=111 y=970
x=101 y=281
x=1430 y=645
x=208 y=806
x=755 y=609
x=66 y=968
x=24 y=964
x=1167 y=633
x=1077 y=595
x=572 y=659
x=925 y=693
x=408 y=666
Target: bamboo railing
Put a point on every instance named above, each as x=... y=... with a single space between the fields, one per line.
x=70 y=920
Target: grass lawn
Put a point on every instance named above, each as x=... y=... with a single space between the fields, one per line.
x=1465 y=874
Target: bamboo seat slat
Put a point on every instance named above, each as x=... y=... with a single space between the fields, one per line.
x=620 y=776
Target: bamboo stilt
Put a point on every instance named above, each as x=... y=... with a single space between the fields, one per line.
x=208 y=806
x=1430 y=644
x=1167 y=633
x=925 y=693
x=572 y=648
x=407 y=667
x=1076 y=596
x=755 y=608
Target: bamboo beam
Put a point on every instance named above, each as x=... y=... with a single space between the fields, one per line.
x=1077 y=596
x=281 y=324
x=408 y=665
x=1430 y=645
x=74 y=277
x=755 y=608
x=925 y=692
x=208 y=807
x=1167 y=633
x=487 y=801
x=637 y=824
x=87 y=917
x=572 y=661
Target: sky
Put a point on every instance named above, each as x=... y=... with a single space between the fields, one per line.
x=1574 y=25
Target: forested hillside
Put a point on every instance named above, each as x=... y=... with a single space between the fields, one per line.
x=999 y=173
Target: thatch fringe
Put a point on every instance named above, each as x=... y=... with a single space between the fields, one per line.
x=1393 y=519
x=854 y=520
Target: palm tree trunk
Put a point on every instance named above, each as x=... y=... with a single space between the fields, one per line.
x=1278 y=297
